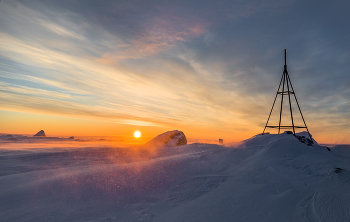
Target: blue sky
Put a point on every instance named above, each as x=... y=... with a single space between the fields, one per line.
x=211 y=66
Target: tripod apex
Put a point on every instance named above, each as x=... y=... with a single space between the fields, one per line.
x=285 y=61
x=285 y=57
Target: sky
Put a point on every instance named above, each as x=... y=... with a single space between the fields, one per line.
x=208 y=68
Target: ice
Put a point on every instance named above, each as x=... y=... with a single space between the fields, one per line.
x=265 y=178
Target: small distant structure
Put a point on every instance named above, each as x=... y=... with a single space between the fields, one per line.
x=41 y=133
x=221 y=141
x=72 y=138
x=286 y=90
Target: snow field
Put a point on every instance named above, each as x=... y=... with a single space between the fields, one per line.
x=265 y=178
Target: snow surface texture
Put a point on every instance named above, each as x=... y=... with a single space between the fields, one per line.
x=40 y=133
x=266 y=178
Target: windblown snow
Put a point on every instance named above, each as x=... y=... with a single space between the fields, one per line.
x=266 y=178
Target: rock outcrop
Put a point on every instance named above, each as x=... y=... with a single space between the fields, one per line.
x=41 y=133
x=168 y=139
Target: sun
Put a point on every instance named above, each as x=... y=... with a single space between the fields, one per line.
x=137 y=134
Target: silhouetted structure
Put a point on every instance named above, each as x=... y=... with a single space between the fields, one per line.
x=287 y=90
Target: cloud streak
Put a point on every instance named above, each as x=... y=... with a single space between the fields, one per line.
x=210 y=67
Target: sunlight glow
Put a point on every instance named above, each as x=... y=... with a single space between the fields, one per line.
x=137 y=134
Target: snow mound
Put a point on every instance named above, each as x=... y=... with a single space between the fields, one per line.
x=41 y=133
x=168 y=139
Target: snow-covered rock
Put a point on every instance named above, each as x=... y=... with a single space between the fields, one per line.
x=288 y=132
x=168 y=139
x=305 y=136
x=41 y=133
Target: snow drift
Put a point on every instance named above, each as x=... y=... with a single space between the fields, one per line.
x=265 y=178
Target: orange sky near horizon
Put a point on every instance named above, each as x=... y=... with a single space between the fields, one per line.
x=29 y=123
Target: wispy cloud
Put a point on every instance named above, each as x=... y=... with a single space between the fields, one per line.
x=162 y=33
x=201 y=65
x=60 y=30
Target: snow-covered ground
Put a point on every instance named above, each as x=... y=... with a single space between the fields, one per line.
x=265 y=178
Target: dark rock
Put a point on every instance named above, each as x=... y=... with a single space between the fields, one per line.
x=338 y=170
x=41 y=133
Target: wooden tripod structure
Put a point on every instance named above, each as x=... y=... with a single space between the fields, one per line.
x=287 y=90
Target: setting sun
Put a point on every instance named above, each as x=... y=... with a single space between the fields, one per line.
x=137 y=134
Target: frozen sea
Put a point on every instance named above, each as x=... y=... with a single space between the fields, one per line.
x=266 y=178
